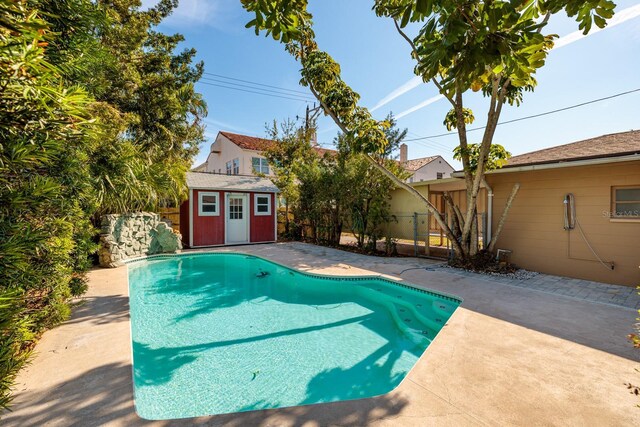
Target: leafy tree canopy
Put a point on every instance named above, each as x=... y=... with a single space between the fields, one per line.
x=491 y=46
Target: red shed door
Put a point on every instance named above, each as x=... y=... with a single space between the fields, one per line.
x=237 y=218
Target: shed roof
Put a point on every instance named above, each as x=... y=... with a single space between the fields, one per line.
x=206 y=180
x=611 y=145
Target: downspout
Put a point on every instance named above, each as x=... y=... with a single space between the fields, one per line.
x=489 y=211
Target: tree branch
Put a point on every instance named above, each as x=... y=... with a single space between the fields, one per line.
x=398 y=182
x=443 y=92
x=455 y=210
x=503 y=217
x=406 y=37
x=414 y=50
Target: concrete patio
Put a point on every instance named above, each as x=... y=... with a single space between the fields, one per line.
x=510 y=355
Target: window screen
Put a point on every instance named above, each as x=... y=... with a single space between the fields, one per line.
x=626 y=202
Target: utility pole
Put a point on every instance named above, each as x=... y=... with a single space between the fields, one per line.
x=310 y=116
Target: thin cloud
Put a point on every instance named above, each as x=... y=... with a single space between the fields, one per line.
x=419 y=106
x=224 y=126
x=620 y=17
x=413 y=83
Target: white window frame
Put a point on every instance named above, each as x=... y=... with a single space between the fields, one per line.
x=229 y=167
x=255 y=204
x=615 y=202
x=262 y=165
x=236 y=166
x=201 y=195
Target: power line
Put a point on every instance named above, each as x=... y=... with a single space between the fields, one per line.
x=255 y=83
x=532 y=116
x=251 y=91
x=208 y=79
x=434 y=144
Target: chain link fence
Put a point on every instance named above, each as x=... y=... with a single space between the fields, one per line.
x=419 y=234
x=414 y=234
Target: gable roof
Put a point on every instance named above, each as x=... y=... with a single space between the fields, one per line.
x=200 y=168
x=611 y=145
x=212 y=181
x=260 y=144
x=415 y=164
x=322 y=151
x=248 y=142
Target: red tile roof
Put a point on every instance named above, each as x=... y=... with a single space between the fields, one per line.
x=248 y=142
x=322 y=151
x=260 y=144
x=611 y=145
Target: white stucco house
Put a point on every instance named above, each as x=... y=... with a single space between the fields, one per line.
x=235 y=154
x=425 y=168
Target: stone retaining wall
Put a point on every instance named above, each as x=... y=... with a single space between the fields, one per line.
x=134 y=235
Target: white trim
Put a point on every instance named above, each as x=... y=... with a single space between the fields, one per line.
x=190 y=218
x=237 y=190
x=255 y=204
x=557 y=165
x=275 y=216
x=216 y=204
x=247 y=217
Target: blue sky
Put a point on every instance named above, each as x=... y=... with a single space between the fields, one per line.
x=376 y=63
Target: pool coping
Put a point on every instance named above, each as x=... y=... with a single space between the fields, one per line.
x=354 y=278
x=468 y=377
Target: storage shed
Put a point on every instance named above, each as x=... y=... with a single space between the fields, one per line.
x=228 y=210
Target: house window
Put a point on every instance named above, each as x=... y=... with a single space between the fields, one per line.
x=625 y=202
x=439 y=175
x=262 y=204
x=233 y=167
x=260 y=165
x=208 y=204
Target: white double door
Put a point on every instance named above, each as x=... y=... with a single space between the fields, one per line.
x=237 y=218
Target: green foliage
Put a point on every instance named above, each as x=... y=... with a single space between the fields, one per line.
x=331 y=192
x=394 y=137
x=44 y=191
x=13 y=330
x=98 y=113
x=151 y=113
x=498 y=156
x=451 y=119
x=491 y=46
x=292 y=147
x=464 y=44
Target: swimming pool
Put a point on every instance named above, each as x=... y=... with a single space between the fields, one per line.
x=216 y=333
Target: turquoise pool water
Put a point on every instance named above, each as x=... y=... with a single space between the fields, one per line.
x=220 y=333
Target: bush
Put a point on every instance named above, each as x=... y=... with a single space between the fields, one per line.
x=45 y=233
